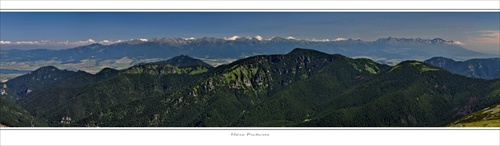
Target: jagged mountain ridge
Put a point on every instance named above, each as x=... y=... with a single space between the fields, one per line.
x=488 y=68
x=239 y=106
x=301 y=88
x=180 y=61
x=412 y=93
x=235 y=87
x=388 y=48
x=107 y=88
x=44 y=76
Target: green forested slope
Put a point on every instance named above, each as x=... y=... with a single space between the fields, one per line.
x=301 y=88
x=487 y=117
x=410 y=94
x=220 y=98
x=12 y=115
x=309 y=88
x=107 y=88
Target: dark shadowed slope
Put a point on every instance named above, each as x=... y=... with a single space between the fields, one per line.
x=301 y=88
x=476 y=68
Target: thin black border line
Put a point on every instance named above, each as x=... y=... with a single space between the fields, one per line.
x=232 y=129
x=269 y=9
x=246 y=0
x=251 y=145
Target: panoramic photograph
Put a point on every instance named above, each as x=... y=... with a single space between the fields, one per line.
x=250 y=69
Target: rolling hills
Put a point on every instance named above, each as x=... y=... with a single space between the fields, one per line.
x=83 y=94
x=301 y=88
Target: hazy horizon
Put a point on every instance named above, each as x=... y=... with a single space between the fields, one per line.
x=477 y=31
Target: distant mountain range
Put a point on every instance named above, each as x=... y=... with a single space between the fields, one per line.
x=301 y=88
x=476 y=68
x=385 y=50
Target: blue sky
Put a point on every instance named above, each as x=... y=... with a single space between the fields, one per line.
x=476 y=30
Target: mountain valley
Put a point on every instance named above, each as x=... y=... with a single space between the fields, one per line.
x=94 y=57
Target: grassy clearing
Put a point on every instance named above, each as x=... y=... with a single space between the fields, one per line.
x=198 y=71
x=488 y=117
x=487 y=123
x=369 y=69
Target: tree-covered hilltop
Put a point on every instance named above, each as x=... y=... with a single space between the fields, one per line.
x=43 y=77
x=310 y=88
x=410 y=94
x=220 y=97
x=82 y=95
x=301 y=88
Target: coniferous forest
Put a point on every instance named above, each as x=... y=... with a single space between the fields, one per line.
x=303 y=88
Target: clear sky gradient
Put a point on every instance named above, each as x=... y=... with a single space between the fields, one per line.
x=478 y=31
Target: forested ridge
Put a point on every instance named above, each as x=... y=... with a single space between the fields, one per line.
x=302 y=88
